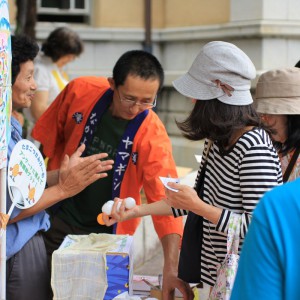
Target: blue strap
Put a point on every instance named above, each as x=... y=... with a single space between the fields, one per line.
x=125 y=147
x=95 y=117
x=90 y=127
x=124 y=153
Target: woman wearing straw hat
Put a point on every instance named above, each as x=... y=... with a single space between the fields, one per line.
x=241 y=163
x=278 y=102
x=268 y=267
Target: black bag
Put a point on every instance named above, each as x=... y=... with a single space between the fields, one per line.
x=189 y=266
x=190 y=254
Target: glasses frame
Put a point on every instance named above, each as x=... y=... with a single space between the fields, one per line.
x=135 y=102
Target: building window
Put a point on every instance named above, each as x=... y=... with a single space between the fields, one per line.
x=69 y=11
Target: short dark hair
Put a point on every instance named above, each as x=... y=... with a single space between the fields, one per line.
x=217 y=121
x=62 y=41
x=293 y=135
x=23 y=49
x=138 y=63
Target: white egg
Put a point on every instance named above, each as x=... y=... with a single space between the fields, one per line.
x=118 y=206
x=107 y=207
x=129 y=203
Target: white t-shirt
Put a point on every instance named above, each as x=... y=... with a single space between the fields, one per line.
x=48 y=77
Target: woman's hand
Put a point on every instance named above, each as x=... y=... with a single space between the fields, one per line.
x=77 y=172
x=185 y=198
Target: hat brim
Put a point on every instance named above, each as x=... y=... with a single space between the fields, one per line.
x=278 y=106
x=192 y=88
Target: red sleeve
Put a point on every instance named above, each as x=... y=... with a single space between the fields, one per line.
x=156 y=160
x=56 y=129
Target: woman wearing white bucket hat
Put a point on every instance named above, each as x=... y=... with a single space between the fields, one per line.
x=278 y=102
x=241 y=163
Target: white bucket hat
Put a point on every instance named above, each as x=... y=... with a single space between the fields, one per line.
x=278 y=92
x=221 y=70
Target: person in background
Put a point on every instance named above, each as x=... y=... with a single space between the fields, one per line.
x=241 y=163
x=270 y=258
x=114 y=115
x=27 y=269
x=61 y=47
x=277 y=100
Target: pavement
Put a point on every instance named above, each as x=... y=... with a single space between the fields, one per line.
x=151 y=265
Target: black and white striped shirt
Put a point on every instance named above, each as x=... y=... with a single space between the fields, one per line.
x=235 y=180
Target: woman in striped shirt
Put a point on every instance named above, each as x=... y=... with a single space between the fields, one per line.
x=242 y=163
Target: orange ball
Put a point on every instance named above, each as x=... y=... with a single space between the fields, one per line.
x=100 y=219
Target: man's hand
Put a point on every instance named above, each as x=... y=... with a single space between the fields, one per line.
x=77 y=172
x=121 y=214
x=170 y=244
x=171 y=282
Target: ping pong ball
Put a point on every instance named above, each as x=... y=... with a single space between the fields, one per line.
x=100 y=219
x=129 y=203
x=107 y=207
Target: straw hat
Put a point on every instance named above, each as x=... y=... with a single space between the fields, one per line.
x=278 y=92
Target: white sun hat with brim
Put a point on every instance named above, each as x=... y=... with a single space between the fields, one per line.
x=221 y=70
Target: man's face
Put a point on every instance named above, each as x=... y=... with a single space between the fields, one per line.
x=24 y=87
x=133 y=97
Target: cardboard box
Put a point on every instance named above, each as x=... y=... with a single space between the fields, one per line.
x=118 y=258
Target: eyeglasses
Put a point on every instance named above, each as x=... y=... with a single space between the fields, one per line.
x=130 y=102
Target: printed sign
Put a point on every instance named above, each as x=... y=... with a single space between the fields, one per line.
x=26 y=174
x=5 y=82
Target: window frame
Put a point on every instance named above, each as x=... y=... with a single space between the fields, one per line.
x=60 y=11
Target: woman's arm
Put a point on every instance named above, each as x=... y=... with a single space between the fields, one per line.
x=187 y=198
x=75 y=174
x=158 y=208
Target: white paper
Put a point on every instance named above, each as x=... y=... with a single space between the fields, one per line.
x=166 y=180
x=198 y=158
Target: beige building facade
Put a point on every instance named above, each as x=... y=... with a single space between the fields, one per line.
x=267 y=30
